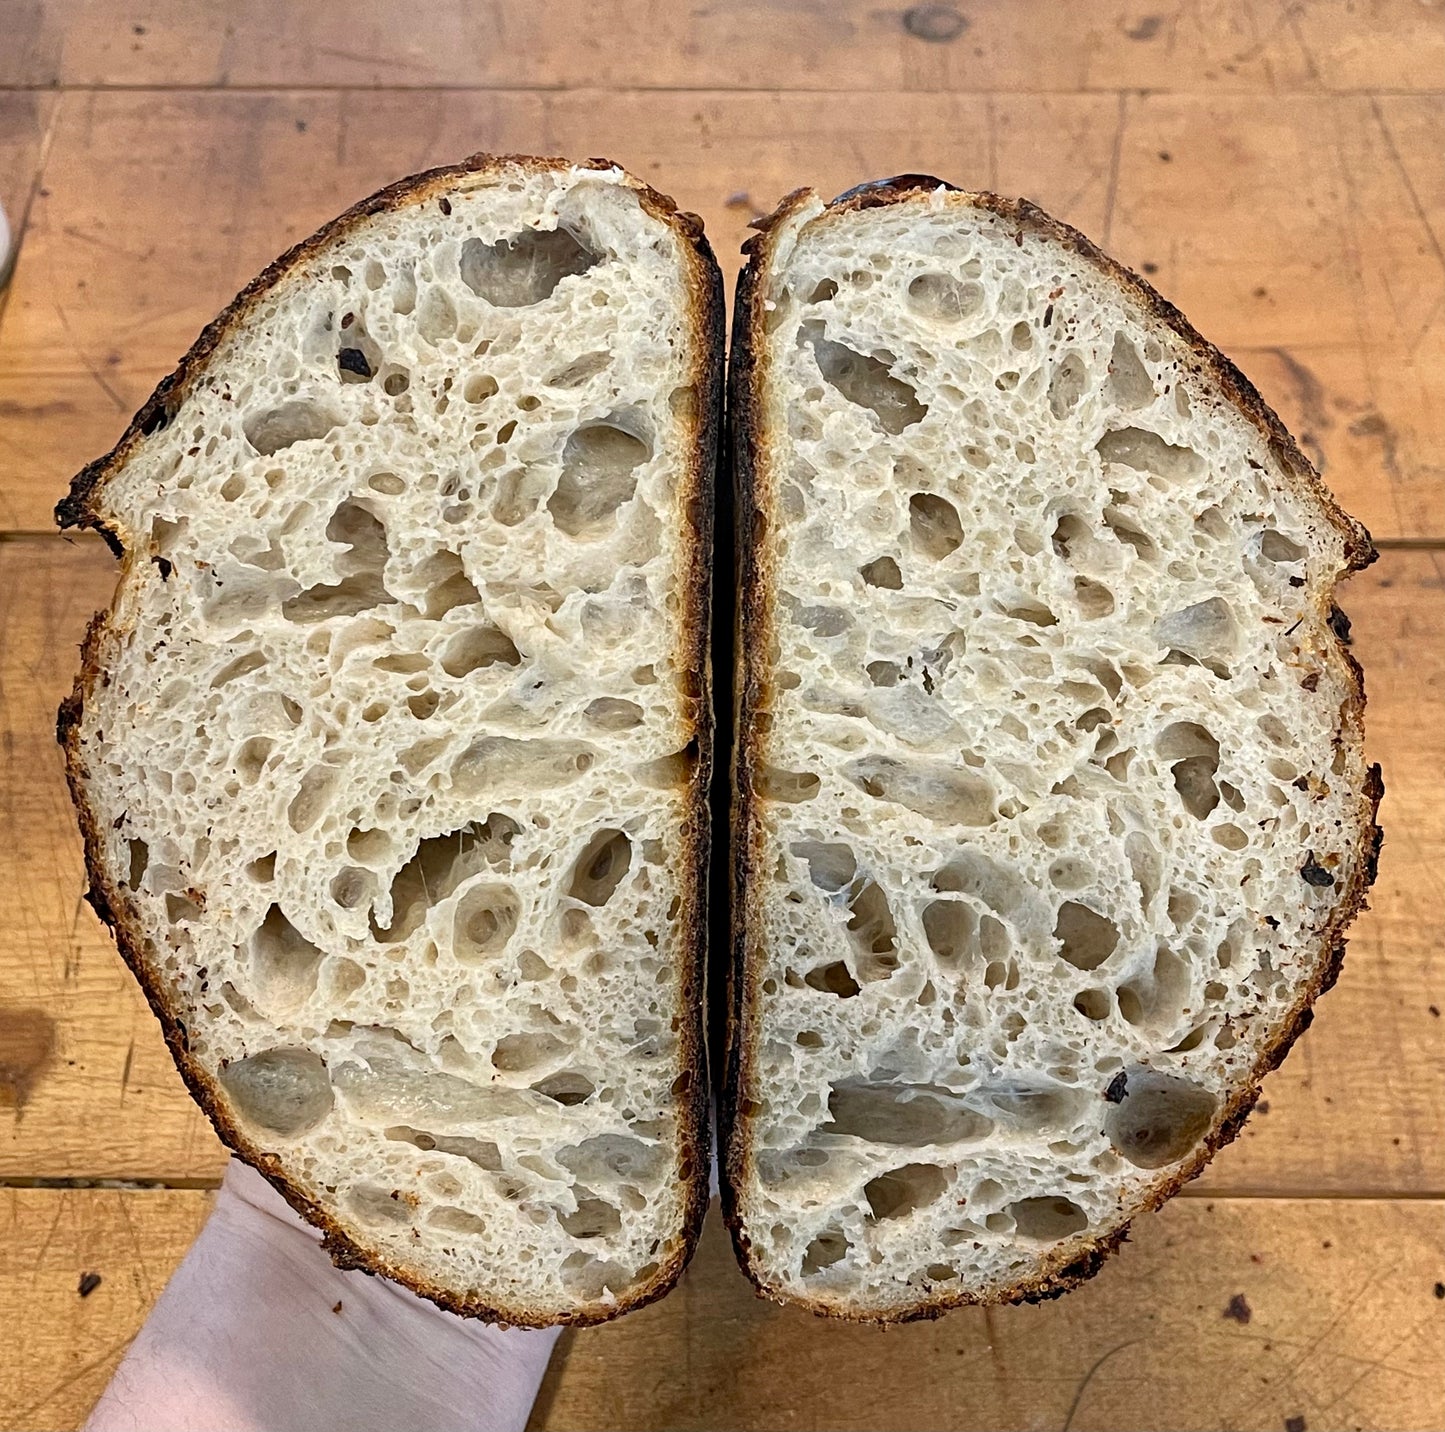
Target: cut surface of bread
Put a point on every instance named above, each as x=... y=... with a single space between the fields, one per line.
x=1051 y=801
x=391 y=752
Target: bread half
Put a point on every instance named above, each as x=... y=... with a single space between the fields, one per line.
x=1051 y=801
x=391 y=752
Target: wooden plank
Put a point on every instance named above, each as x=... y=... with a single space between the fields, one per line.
x=1028 y=45
x=1356 y=1108
x=120 y=272
x=1331 y=294
x=61 y=1348
x=1290 y=232
x=87 y=1087
x=1344 y=1330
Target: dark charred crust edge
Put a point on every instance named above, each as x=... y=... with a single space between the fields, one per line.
x=80 y=509
x=1068 y=1266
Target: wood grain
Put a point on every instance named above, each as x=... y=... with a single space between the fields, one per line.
x=1291 y=233
x=1331 y=295
x=1356 y=1108
x=763 y=44
x=61 y=1348
x=1344 y=1330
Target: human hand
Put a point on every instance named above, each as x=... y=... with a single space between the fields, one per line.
x=259 y=1332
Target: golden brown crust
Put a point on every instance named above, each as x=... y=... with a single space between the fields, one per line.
x=81 y=509
x=1075 y=1262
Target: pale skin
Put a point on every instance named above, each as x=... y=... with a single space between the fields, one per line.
x=259 y=1332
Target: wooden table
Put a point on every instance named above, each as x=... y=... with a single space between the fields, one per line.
x=1276 y=167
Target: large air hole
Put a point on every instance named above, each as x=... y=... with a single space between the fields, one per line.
x=1147 y=452
x=599 y=474
x=774 y=783
x=951 y=928
x=481 y=1152
x=598 y=871
x=948 y=794
x=1194 y=754
x=836 y=979
x=614 y=1158
x=524 y=269
x=284 y=962
x=902 y=1191
x=828 y=1248
x=299 y=420
x=906 y=1115
x=516 y=1053
x=1094 y=598
x=438 y=865
x=486 y=918
x=477 y=648
x=374 y=1204
x=448 y=586
x=943 y=298
x=449 y=1219
x=611 y=713
x=579 y=370
x=1087 y=938
x=882 y=572
x=934 y=525
x=1160 y=1118
x=592 y=1218
x=1047 y=1219
x=313 y=796
x=494 y=763
x=567 y=1088
x=873 y=932
x=1274 y=546
x=1155 y=1000
x=1207 y=631
x=1146 y=864
x=1129 y=385
x=1067 y=385
x=363 y=569
x=140 y=855
x=283 y=1091
x=1036 y=1109
x=831 y=866
x=1126 y=531
x=865 y=381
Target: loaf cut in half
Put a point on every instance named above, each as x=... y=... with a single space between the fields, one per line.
x=1051 y=800
x=391 y=753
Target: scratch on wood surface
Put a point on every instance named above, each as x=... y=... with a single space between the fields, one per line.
x=142 y=1269
x=121 y=406
x=1111 y=193
x=49 y=1234
x=25 y=1417
x=125 y=1069
x=1424 y=219
x=1089 y=1377
x=1291 y=17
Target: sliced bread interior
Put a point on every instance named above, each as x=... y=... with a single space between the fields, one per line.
x=391 y=752
x=1052 y=806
